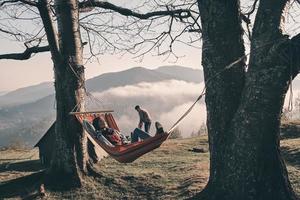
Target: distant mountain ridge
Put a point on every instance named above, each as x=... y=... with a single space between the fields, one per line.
x=3 y=93
x=182 y=73
x=26 y=94
x=105 y=81
x=127 y=77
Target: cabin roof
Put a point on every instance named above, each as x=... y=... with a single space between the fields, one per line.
x=43 y=138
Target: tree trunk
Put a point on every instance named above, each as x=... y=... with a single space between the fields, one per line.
x=70 y=151
x=221 y=31
x=244 y=113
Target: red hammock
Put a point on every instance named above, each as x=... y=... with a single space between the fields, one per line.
x=126 y=153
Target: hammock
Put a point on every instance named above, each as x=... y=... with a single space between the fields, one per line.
x=126 y=153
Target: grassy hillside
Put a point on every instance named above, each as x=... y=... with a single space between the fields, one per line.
x=170 y=172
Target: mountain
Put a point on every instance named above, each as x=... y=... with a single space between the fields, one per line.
x=25 y=123
x=139 y=74
x=3 y=93
x=105 y=81
x=27 y=112
x=127 y=77
x=27 y=94
x=182 y=73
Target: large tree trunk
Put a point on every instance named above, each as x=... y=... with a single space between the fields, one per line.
x=70 y=152
x=244 y=114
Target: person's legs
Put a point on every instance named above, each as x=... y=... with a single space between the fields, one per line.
x=138 y=133
x=134 y=137
x=147 y=126
x=159 y=128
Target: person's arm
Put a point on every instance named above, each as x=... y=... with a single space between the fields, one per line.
x=140 y=122
x=147 y=116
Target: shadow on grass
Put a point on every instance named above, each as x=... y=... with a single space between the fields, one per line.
x=24 y=187
x=289 y=135
x=24 y=166
x=292 y=156
x=148 y=187
x=289 y=131
x=188 y=187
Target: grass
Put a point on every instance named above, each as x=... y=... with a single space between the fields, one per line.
x=290 y=149
x=170 y=172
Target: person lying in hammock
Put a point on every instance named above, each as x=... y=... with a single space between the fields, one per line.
x=112 y=135
x=116 y=138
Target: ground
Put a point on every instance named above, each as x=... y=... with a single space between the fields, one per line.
x=171 y=172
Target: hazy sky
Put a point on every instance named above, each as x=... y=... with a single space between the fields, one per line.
x=16 y=74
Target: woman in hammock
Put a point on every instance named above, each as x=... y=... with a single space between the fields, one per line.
x=116 y=138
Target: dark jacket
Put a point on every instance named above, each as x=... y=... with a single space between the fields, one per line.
x=144 y=116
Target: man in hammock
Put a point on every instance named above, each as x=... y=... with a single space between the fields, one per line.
x=116 y=138
x=144 y=118
x=140 y=134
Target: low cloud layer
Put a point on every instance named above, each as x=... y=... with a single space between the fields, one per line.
x=165 y=89
x=166 y=101
x=191 y=123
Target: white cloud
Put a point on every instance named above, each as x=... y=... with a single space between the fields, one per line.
x=191 y=123
x=166 y=101
x=157 y=89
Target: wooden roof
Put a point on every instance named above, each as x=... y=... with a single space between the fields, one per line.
x=51 y=129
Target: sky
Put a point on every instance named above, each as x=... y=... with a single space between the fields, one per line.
x=39 y=69
x=17 y=74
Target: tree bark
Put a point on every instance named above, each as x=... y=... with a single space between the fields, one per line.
x=244 y=108
x=69 y=160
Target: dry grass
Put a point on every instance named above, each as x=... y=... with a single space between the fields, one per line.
x=18 y=163
x=170 y=172
x=291 y=153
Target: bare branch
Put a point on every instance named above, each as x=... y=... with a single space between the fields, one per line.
x=9 y=32
x=26 y=54
x=45 y=13
x=267 y=20
x=178 y=13
x=27 y=2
